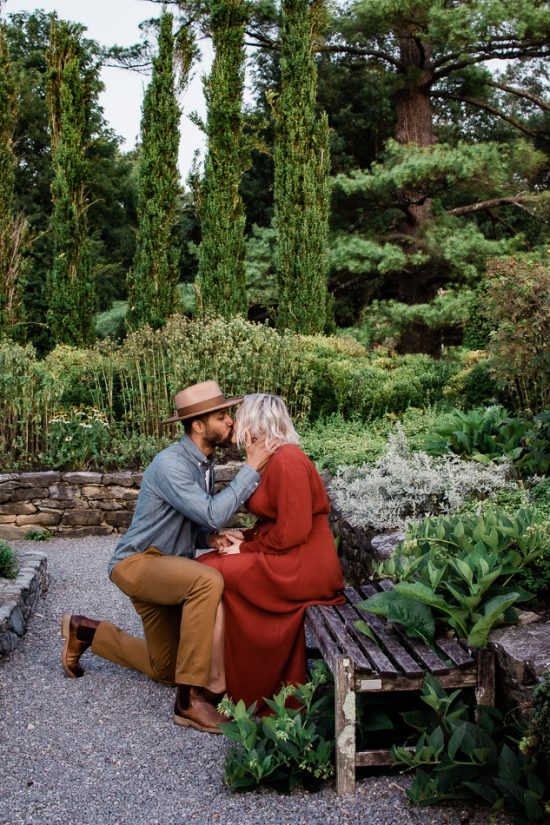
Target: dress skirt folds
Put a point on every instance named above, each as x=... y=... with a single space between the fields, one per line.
x=287 y=562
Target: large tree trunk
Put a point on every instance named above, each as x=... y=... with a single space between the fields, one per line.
x=414 y=112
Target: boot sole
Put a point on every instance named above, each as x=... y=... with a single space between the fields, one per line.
x=189 y=723
x=66 y=634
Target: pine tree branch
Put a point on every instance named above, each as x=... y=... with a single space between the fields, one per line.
x=492 y=203
x=480 y=104
x=513 y=90
x=364 y=52
x=450 y=63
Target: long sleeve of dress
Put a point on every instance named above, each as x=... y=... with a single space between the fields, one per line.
x=289 y=490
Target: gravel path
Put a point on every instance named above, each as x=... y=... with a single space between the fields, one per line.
x=103 y=750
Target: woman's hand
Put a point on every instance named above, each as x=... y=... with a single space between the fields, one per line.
x=257 y=454
x=233 y=534
x=231 y=550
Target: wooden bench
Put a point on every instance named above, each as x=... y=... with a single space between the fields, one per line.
x=395 y=662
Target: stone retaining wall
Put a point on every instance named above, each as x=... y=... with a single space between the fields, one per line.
x=18 y=598
x=74 y=503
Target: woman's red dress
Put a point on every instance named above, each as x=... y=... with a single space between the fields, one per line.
x=287 y=562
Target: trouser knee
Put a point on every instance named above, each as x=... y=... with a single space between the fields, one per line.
x=212 y=580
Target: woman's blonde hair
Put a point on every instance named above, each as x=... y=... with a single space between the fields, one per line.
x=261 y=414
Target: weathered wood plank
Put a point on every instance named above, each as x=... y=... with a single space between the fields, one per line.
x=367 y=759
x=326 y=644
x=345 y=640
x=451 y=648
x=380 y=662
x=453 y=679
x=344 y=723
x=485 y=692
x=389 y=639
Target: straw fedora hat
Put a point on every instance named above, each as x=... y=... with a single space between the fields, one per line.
x=200 y=399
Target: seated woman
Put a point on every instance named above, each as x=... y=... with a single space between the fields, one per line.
x=275 y=570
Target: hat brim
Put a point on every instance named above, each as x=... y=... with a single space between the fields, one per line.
x=229 y=403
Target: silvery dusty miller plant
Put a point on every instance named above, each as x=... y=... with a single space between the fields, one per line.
x=403 y=486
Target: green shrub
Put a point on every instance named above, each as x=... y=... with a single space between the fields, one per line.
x=459 y=571
x=464 y=756
x=537 y=736
x=76 y=438
x=9 y=565
x=517 y=307
x=403 y=485
x=335 y=442
x=385 y=322
x=473 y=385
x=283 y=749
x=487 y=434
x=348 y=381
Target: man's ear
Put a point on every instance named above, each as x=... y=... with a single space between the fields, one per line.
x=198 y=426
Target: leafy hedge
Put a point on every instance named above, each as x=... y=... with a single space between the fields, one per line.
x=133 y=383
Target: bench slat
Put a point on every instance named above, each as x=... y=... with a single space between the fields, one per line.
x=323 y=639
x=344 y=638
x=455 y=652
x=387 y=638
x=380 y=661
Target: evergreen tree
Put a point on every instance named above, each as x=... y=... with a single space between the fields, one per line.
x=301 y=187
x=71 y=289
x=221 y=282
x=111 y=179
x=152 y=281
x=418 y=213
x=13 y=229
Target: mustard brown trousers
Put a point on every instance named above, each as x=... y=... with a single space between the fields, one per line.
x=177 y=599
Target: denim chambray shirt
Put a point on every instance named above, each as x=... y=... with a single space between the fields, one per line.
x=176 y=506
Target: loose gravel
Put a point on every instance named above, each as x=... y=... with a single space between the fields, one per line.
x=103 y=750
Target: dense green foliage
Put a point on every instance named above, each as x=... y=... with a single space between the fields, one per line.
x=221 y=277
x=491 y=433
x=13 y=229
x=288 y=747
x=111 y=186
x=8 y=561
x=461 y=572
x=517 y=307
x=537 y=735
x=152 y=281
x=71 y=289
x=301 y=175
x=467 y=756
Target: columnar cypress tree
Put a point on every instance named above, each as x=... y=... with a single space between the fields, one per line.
x=71 y=289
x=221 y=279
x=13 y=229
x=154 y=276
x=301 y=186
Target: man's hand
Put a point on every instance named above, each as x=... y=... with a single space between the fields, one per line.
x=257 y=454
x=218 y=540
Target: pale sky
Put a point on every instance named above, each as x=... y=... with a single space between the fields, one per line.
x=111 y=22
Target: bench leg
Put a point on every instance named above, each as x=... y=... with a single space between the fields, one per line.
x=344 y=697
x=485 y=691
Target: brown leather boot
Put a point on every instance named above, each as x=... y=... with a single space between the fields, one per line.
x=78 y=633
x=194 y=711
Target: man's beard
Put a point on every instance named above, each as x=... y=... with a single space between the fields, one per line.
x=214 y=440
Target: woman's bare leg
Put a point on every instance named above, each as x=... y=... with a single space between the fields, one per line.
x=217 y=670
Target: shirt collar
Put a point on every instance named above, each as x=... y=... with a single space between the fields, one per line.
x=189 y=446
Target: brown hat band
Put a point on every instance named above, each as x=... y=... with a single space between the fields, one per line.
x=201 y=406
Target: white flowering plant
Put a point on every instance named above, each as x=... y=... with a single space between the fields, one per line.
x=403 y=486
x=76 y=438
x=293 y=745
